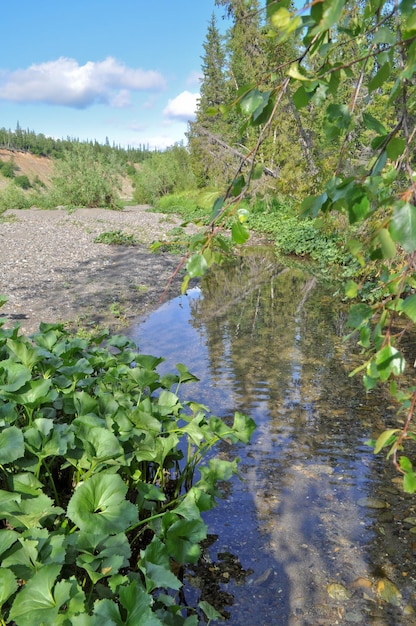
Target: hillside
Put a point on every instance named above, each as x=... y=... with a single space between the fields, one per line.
x=43 y=167
x=28 y=164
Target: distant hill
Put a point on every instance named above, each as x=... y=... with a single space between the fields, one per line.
x=43 y=167
x=28 y=164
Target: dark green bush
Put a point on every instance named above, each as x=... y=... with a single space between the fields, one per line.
x=22 y=181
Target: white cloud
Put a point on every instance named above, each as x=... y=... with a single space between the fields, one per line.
x=65 y=82
x=182 y=107
x=194 y=78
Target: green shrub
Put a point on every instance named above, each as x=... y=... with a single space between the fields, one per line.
x=22 y=181
x=13 y=197
x=85 y=178
x=98 y=485
x=161 y=174
x=8 y=168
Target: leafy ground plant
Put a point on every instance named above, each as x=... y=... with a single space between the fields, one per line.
x=116 y=238
x=103 y=480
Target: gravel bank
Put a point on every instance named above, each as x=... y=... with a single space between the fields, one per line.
x=52 y=271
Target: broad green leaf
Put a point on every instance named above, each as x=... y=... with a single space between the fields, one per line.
x=395 y=148
x=280 y=18
x=301 y=98
x=35 y=603
x=295 y=71
x=30 y=512
x=257 y=172
x=351 y=289
x=102 y=557
x=380 y=78
x=209 y=611
x=103 y=444
x=7 y=539
x=313 y=204
x=251 y=101
x=372 y=123
x=385 y=439
x=403 y=226
x=331 y=12
x=183 y=537
x=37 y=392
x=389 y=361
x=12 y=445
x=8 y=585
x=339 y=114
x=409 y=482
x=155 y=565
x=243 y=427
x=196 y=266
x=216 y=209
x=99 y=506
x=359 y=314
x=408 y=306
x=405 y=464
x=25 y=352
x=388 y=247
x=238 y=185
x=239 y=233
x=16 y=375
x=137 y=603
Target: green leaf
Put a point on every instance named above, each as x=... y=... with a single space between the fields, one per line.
x=137 y=603
x=313 y=204
x=330 y=15
x=196 y=265
x=380 y=78
x=395 y=148
x=239 y=233
x=409 y=482
x=8 y=585
x=99 y=506
x=209 y=611
x=36 y=393
x=251 y=101
x=12 y=445
x=386 y=438
x=17 y=375
x=388 y=247
x=301 y=98
x=405 y=464
x=359 y=314
x=155 y=565
x=24 y=351
x=372 y=123
x=35 y=603
x=183 y=537
x=403 y=226
x=408 y=307
x=339 y=114
x=216 y=209
x=351 y=289
x=389 y=361
x=243 y=427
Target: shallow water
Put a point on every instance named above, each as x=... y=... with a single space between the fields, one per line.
x=314 y=533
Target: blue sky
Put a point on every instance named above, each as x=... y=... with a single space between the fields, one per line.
x=128 y=70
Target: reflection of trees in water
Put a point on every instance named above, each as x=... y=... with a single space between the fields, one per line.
x=266 y=328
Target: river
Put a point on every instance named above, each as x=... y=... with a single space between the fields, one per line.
x=317 y=530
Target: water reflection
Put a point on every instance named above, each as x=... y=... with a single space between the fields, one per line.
x=304 y=522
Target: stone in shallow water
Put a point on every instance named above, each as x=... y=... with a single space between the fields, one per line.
x=389 y=592
x=372 y=503
x=338 y=592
